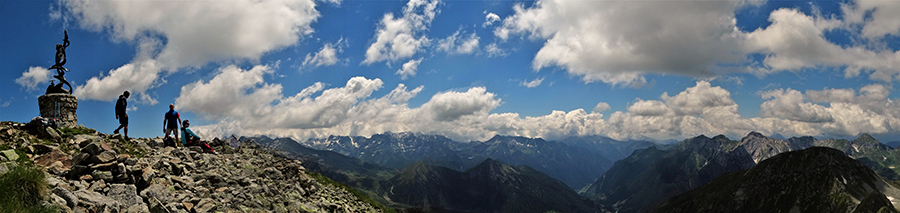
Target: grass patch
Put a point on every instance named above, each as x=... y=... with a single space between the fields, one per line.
x=69 y=131
x=325 y=180
x=24 y=187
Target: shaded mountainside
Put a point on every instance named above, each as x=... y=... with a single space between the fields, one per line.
x=87 y=171
x=488 y=187
x=574 y=165
x=607 y=147
x=817 y=179
x=650 y=176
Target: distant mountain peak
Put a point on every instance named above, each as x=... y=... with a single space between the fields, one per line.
x=865 y=137
x=756 y=134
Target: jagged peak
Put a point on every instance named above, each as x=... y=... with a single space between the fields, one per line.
x=865 y=137
x=721 y=137
x=755 y=134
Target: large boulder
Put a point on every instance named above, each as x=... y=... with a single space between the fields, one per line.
x=127 y=195
x=95 y=201
x=71 y=199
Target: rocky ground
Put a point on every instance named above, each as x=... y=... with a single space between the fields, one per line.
x=95 y=172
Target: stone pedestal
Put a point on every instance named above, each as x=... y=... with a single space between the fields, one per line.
x=61 y=107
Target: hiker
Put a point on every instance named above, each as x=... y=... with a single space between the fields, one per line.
x=190 y=139
x=121 y=104
x=171 y=121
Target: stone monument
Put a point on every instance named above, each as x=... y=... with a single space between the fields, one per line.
x=59 y=103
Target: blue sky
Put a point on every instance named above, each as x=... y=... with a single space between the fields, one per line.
x=466 y=69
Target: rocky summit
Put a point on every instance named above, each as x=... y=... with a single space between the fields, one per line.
x=94 y=172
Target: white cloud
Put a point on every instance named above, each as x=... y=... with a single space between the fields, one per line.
x=701 y=98
x=409 y=68
x=195 y=33
x=600 y=107
x=34 y=76
x=621 y=42
x=326 y=56
x=533 y=83
x=452 y=105
x=245 y=104
x=789 y=104
x=489 y=19
x=878 y=18
x=618 y=41
x=495 y=51
x=136 y=77
x=396 y=38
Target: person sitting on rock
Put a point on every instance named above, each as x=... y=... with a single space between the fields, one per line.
x=188 y=138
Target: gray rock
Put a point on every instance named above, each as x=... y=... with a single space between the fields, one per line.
x=3 y=158
x=93 y=199
x=84 y=140
x=157 y=194
x=127 y=195
x=94 y=148
x=55 y=199
x=78 y=170
x=81 y=158
x=52 y=134
x=205 y=205
x=10 y=154
x=4 y=168
x=68 y=196
x=104 y=157
x=273 y=173
x=102 y=175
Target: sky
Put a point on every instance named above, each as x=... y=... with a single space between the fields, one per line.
x=468 y=70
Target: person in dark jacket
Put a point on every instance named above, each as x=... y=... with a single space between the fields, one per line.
x=121 y=105
x=171 y=121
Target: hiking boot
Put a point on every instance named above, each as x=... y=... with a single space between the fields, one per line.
x=116 y=131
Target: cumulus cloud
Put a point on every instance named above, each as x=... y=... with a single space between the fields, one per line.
x=195 y=33
x=795 y=41
x=489 y=19
x=621 y=42
x=883 y=17
x=617 y=42
x=246 y=104
x=136 y=77
x=533 y=83
x=326 y=56
x=401 y=37
x=409 y=68
x=456 y=44
x=600 y=107
x=789 y=104
x=34 y=76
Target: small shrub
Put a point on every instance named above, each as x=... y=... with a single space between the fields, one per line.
x=24 y=187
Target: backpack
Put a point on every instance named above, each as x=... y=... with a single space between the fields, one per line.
x=169 y=141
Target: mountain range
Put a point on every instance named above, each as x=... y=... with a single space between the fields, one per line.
x=817 y=179
x=652 y=175
x=576 y=161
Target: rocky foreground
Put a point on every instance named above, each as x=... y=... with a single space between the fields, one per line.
x=95 y=172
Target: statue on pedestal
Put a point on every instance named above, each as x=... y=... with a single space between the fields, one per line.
x=60 y=70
